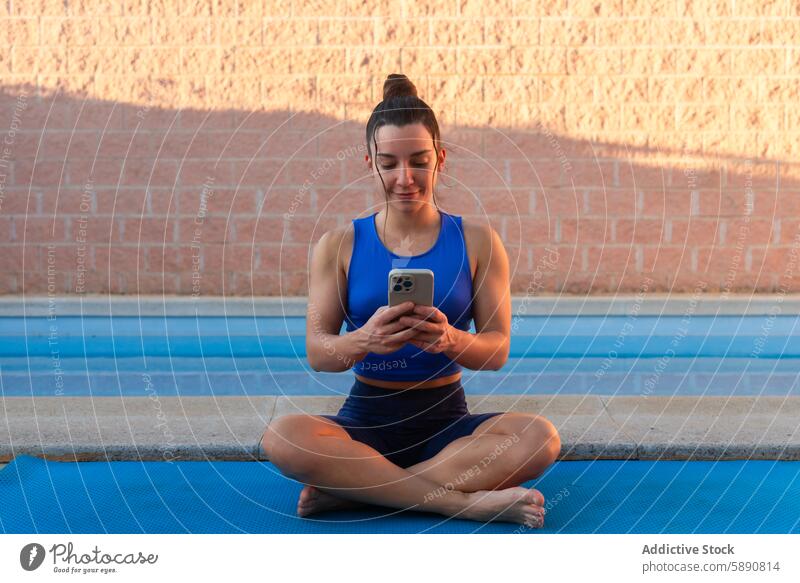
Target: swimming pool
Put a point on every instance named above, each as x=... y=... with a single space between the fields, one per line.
x=265 y=355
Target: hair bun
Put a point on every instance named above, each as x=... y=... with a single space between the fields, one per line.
x=398 y=86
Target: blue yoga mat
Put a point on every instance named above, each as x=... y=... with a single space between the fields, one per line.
x=38 y=496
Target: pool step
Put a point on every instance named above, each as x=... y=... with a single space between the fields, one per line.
x=209 y=377
x=228 y=428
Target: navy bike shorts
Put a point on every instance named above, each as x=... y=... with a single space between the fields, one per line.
x=407 y=426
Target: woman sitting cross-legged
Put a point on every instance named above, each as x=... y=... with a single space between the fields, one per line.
x=404 y=438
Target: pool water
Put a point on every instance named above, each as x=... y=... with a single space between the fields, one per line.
x=226 y=356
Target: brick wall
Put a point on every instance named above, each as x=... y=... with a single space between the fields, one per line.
x=201 y=147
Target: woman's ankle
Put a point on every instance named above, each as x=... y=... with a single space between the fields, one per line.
x=447 y=502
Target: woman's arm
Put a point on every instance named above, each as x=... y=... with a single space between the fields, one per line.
x=488 y=348
x=326 y=349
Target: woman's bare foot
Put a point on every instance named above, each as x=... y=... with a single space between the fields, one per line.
x=313 y=500
x=520 y=505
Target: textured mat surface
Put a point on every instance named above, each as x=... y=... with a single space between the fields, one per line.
x=37 y=496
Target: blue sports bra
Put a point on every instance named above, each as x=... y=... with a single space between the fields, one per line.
x=367 y=290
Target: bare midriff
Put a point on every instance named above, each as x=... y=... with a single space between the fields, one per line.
x=431 y=384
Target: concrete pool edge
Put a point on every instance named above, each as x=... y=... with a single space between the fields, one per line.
x=666 y=304
x=228 y=428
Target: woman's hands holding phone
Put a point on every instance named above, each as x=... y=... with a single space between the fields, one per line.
x=389 y=329
x=383 y=332
x=434 y=333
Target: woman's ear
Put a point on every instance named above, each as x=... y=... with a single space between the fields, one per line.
x=442 y=156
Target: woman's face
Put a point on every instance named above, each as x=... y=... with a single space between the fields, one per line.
x=406 y=161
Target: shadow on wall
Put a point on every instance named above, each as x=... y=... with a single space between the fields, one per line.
x=99 y=197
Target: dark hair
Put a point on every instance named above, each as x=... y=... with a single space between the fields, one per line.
x=401 y=106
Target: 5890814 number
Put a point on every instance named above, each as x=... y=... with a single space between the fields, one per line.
x=751 y=566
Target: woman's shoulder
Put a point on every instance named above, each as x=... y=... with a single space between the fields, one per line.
x=479 y=237
x=337 y=236
x=337 y=244
x=477 y=231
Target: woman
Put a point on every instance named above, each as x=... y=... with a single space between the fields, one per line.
x=404 y=437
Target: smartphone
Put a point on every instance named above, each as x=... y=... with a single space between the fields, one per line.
x=414 y=285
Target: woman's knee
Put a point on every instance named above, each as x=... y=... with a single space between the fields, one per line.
x=550 y=438
x=542 y=444
x=286 y=443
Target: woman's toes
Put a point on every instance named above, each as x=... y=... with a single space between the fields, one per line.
x=533 y=496
x=308 y=495
x=534 y=520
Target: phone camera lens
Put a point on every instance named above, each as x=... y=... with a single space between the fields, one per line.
x=398 y=288
x=407 y=283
